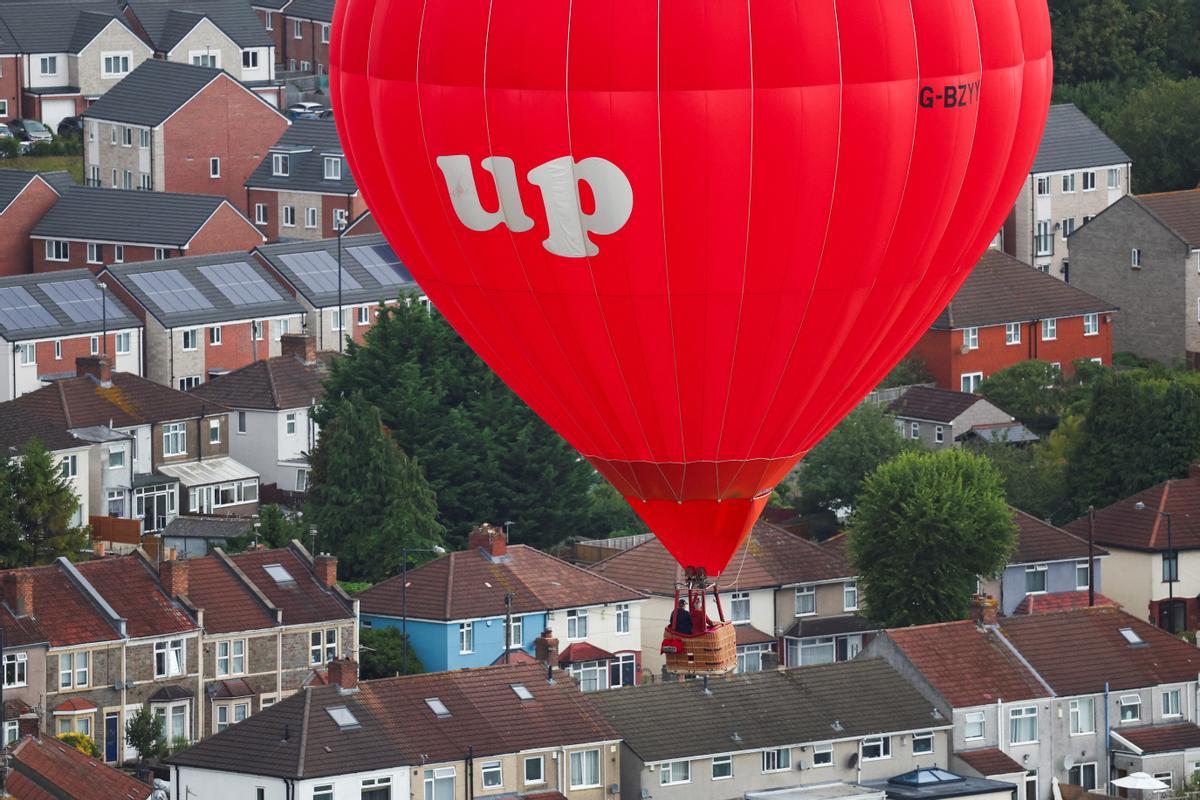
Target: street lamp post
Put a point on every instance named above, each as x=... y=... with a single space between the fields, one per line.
x=1173 y=568
x=437 y=550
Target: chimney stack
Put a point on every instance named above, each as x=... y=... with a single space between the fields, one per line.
x=488 y=538
x=343 y=673
x=325 y=569
x=545 y=648
x=18 y=593
x=985 y=610
x=301 y=345
x=99 y=367
x=173 y=575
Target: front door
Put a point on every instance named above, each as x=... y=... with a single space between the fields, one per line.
x=112 y=736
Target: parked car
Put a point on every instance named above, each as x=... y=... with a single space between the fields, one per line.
x=305 y=110
x=29 y=130
x=71 y=127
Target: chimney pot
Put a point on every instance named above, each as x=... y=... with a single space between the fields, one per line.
x=173 y=575
x=18 y=593
x=301 y=345
x=985 y=610
x=99 y=367
x=488 y=538
x=343 y=672
x=545 y=648
x=325 y=569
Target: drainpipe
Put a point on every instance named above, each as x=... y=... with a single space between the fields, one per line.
x=1107 y=738
x=471 y=772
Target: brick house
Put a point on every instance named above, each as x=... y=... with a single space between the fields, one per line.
x=49 y=320
x=91 y=227
x=1143 y=253
x=270 y=17
x=205 y=315
x=167 y=128
x=940 y=418
x=305 y=36
x=371 y=274
x=1077 y=173
x=303 y=188
x=24 y=198
x=1007 y=312
x=61 y=56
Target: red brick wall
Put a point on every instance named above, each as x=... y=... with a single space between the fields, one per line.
x=10 y=84
x=236 y=349
x=271 y=199
x=16 y=250
x=72 y=348
x=224 y=121
x=226 y=232
x=308 y=47
x=78 y=253
x=275 y=33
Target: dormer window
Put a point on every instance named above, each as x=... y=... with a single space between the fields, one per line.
x=280 y=164
x=333 y=168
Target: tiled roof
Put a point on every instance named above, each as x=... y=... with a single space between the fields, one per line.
x=1039 y=541
x=1080 y=652
x=58 y=304
x=19 y=425
x=128 y=585
x=73 y=704
x=167 y=21
x=369 y=289
x=748 y=634
x=990 y=761
x=153 y=91
x=828 y=626
x=12 y=183
x=189 y=526
x=1122 y=525
x=307 y=142
x=578 y=652
x=198 y=289
x=672 y=720
x=298 y=738
x=1059 y=601
x=302 y=600
x=1072 y=141
x=130 y=400
x=468 y=585
x=965 y=664
x=1162 y=738
x=1179 y=211
x=233 y=687
x=46 y=767
x=274 y=384
x=1002 y=289
x=319 y=10
x=515 y=657
x=770 y=557
x=229 y=604
x=55 y=27
x=933 y=404
x=63 y=614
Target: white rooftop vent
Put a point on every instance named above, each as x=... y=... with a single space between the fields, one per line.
x=1131 y=636
x=278 y=573
x=437 y=707
x=343 y=717
x=522 y=692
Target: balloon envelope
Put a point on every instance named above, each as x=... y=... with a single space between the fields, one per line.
x=691 y=235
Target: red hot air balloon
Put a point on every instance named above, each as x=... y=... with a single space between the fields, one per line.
x=691 y=234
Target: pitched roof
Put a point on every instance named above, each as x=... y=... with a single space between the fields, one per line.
x=229 y=604
x=1059 y=601
x=201 y=290
x=153 y=91
x=371 y=271
x=63 y=614
x=1179 y=211
x=56 y=27
x=1161 y=738
x=1072 y=141
x=130 y=400
x=966 y=664
x=468 y=584
x=319 y=10
x=133 y=591
x=1123 y=525
x=990 y=761
x=12 y=183
x=1002 y=289
x=1079 y=652
x=672 y=720
x=58 y=304
x=166 y=22
x=274 y=384
x=19 y=425
x=46 y=767
x=306 y=143
x=1039 y=541
x=188 y=526
x=770 y=557
x=125 y=215
x=298 y=737
x=301 y=599
x=933 y=404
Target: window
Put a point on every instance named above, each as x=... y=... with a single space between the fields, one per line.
x=126 y=136
x=250 y=59
x=12 y=731
x=1114 y=177
x=822 y=755
x=214 y=431
x=114 y=172
x=1170 y=703
x=516 y=632
x=174 y=439
x=1043 y=239
x=48 y=65
x=922 y=742
x=26 y=354
x=1135 y=257
x=970 y=381
x=1166 y=777
x=260 y=213
x=1083 y=775
x=592 y=676
x=1068 y=183
x=340 y=219
x=301 y=480
x=1083 y=716
x=73 y=670
x=749 y=658
x=325 y=791
x=297 y=30
x=466 y=637
x=1170 y=566
x=674 y=772
x=1087 y=218
x=116 y=459
x=1089 y=181
x=280 y=164
x=16 y=670
x=58 y=250
x=585 y=769
x=377 y=789
x=577 y=623
x=939 y=434
x=207 y=59
x=850 y=596
x=1022 y=725
x=1043 y=187
x=160 y=253
x=189 y=338
x=1068 y=227
x=439 y=784
x=214 y=167
x=806 y=600
x=493 y=775
x=322 y=646
x=93 y=171
x=1049 y=330
x=241 y=422
x=77 y=722
x=58 y=349
x=1012 y=333
x=188 y=382
x=119 y=253
x=168 y=658
x=333 y=168
x=876 y=747
x=776 y=760
x=1091 y=324
x=124 y=343
x=914 y=430
x=288 y=214
x=973 y=725
x=114 y=64
x=739 y=607
x=535 y=770
x=69 y=466
x=1082 y=575
x=95 y=253
x=337 y=319
x=310 y=217
x=239 y=712
x=1035 y=579
x=722 y=767
x=971 y=338
x=306 y=66
x=289 y=423
x=144 y=138
x=214 y=335
x=622 y=615
x=325 y=33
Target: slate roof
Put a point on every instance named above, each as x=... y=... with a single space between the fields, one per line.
x=297 y=737
x=1060 y=601
x=162 y=219
x=55 y=293
x=133 y=591
x=1039 y=541
x=307 y=142
x=153 y=91
x=167 y=21
x=1162 y=738
x=254 y=293
x=82 y=401
x=1122 y=525
x=55 y=27
x=302 y=600
x=771 y=557
x=230 y=603
x=468 y=584
x=990 y=761
x=1072 y=141
x=43 y=767
x=666 y=721
x=1002 y=289
x=319 y=10
x=188 y=526
x=274 y=384
x=370 y=289
x=12 y=183
x=1179 y=211
x=933 y=404
x=805 y=627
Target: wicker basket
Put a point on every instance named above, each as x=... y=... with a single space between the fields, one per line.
x=711 y=653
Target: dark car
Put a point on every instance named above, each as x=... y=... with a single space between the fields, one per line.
x=305 y=110
x=71 y=127
x=29 y=130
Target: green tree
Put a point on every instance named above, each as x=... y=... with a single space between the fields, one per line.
x=926 y=525
x=383 y=653
x=276 y=527
x=1029 y=390
x=831 y=476
x=1034 y=481
x=46 y=503
x=610 y=513
x=144 y=733
x=367 y=499
x=81 y=742
x=911 y=370
x=1158 y=125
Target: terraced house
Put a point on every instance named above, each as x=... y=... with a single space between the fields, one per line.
x=305 y=36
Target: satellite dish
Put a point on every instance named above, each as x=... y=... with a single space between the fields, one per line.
x=1068 y=762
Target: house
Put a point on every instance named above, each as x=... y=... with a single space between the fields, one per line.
x=488 y=732
x=205 y=315
x=854 y=721
x=1077 y=173
x=941 y=418
x=305 y=36
x=1007 y=312
x=91 y=227
x=49 y=320
x=1143 y=253
x=43 y=767
x=24 y=198
x=303 y=188
x=270 y=17
x=1034 y=697
x=1153 y=540
x=158 y=453
x=65 y=55
x=166 y=128
x=270 y=406
x=370 y=275
x=783 y=591
x=457 y=609
x=1048 y=563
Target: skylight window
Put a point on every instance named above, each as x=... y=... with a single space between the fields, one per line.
x=343 y=717
x=278 y=573
x=437 y=707
x=1131 y=636
x=522 y=692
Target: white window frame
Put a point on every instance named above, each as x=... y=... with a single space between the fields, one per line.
x=1068 y=183
x=822 y=755
x=74 y=669
x=95 y=253
x=297 y=29
x=970 y=381
x=48 y=65
x=884 y=745
x=803 y=595
x=205 y=58
x=1082 y=715
x=588 y=761
x=939 y=434
x=1016 y=719
x=322 y=646
x=333 y=168
x=250 y=58
x=577 y=624
x=972 y=719
x=1042 y=186
x=18 y=664
x=466 y=638
x=1041 y=570
x=214 y=167
x=260 y=213
x=1012 y=333
x=971 y=338
x=849 y=589
x=1135 y=257
x=1171 y=703
x=190 y=339
x=777 y=759
x=739 y=608
x=281 y=165
x=540 y=780
x=310 y=217
x=214 y=335
x=914 y=430
x=922 y=743
x=173 y=656
x=214 y=431
x=1067 y=226
x=491 y=775
x=58 y=250
x=621 y=613
x=1089 y=180
x=174 y=438
x=324 y=33
x=1080 y=770
x=364 y=315
x=674 y=773
x=124 y=343
x=119 y=59
x=726 y=764
x=1091 y=324
x=118 y=254
x=1114 y=177
x=27 y=354
x=1085 y=568
x=1049 y=329
x=287 y=216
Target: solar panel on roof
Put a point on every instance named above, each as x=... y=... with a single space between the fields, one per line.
x=170 y=291
x=240 y=284
x=382 y=263
x=19 y=311
x=81 y=300
x=318 y=271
